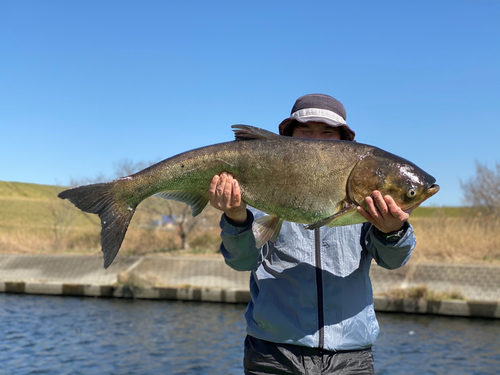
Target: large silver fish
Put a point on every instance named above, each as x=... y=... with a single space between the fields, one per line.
x=314 y=182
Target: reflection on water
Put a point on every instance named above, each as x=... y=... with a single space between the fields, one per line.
x=59 y=335
x=66 y=335
x=423 y=344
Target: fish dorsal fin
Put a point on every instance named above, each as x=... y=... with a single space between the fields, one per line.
x=248 y=133
x=266 y=228
x=347 y=216
x=197 y=202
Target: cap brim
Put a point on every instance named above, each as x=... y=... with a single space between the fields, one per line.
x=284 y=127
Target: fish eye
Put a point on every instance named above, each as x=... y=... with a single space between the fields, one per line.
x=410 y=193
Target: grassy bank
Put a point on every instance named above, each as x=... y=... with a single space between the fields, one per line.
x=34 y=220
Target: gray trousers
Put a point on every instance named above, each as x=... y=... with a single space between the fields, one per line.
x=264 y=357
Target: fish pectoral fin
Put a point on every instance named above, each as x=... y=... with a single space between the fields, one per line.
x=248 y=133
x=347 y=216
x=197 y=202
x=266 y=228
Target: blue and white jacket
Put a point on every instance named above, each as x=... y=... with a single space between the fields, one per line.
x=312 y=287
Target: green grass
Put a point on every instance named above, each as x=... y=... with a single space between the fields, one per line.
x=33 y=219
x=28 y=206
x=443 y=211
x=31 y=191
x=29 y=215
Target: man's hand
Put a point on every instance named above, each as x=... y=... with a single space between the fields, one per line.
x=384 y=213
x=225 y=195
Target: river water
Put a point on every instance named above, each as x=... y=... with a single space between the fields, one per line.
x=70 y=335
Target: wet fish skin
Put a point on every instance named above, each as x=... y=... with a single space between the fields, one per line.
x=314 y=182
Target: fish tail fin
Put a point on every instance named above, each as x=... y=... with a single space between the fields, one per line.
x=115 y=215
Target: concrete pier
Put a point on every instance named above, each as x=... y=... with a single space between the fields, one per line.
x=210 y=279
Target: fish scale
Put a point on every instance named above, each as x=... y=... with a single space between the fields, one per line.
x=308 y=181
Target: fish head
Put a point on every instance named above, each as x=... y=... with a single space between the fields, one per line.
x=392 y=175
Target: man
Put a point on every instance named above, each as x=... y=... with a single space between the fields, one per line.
x=311 y=308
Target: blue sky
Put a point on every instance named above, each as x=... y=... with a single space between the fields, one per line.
x=85 y=84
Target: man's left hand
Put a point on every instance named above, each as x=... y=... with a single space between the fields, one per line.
x=384 y=213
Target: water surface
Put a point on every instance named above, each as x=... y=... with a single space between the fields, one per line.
x=426 y=344
x=70 y=335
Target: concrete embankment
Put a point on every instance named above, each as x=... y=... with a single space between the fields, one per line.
x=209 y=279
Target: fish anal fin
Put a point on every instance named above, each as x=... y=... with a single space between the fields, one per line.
x=266 y=228
x=197 y=202
x=248 y=133
x=347 y=216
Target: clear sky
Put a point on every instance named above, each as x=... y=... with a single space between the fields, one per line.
x=85 y=84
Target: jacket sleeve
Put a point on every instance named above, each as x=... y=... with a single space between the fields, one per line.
x=238 y=244
x=390 y=255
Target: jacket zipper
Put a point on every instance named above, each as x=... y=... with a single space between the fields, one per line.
x=319 y=286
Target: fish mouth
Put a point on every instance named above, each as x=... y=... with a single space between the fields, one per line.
x=433 y=189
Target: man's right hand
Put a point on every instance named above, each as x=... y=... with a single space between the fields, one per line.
x=225 y=195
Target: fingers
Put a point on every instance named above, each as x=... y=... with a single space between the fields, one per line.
x=395 y=210
x=224 y=192
x=225 y=195
x=383 y=212
x=213 y=186
x=218 y=191
x=230 y=195
x=365 y=214
x=236 y=194
x=376 y=206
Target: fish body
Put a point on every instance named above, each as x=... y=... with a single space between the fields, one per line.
x=313 y=182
